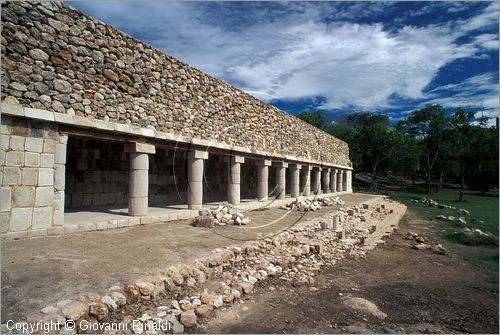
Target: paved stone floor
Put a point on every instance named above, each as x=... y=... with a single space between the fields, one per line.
x=40 y=271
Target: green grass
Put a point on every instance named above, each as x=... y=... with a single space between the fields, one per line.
x=479 y=250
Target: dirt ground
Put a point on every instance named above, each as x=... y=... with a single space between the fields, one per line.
x=419 y=291
x=41 y=271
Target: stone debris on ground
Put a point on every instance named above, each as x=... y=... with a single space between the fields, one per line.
x=184 y=294
x=434 y=203
x=469 y=232
x=220 y=216
x=460 y=219
x=423 y=244
x=314 y=204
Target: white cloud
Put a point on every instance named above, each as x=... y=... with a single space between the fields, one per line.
x=300 y=55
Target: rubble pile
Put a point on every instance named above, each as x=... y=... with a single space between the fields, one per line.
x=220 y=216
x=222 y=276
x=422 y=244
x=313 y=205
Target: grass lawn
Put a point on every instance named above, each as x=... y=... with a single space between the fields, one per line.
x=479 y=250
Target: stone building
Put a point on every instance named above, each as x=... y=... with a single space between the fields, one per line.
x=93 y=119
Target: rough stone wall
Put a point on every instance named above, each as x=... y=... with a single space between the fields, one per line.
x=33 y=157
x=56 y=58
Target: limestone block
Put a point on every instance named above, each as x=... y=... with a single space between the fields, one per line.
x=140 y=148
x=58 y=219
x=5 y=198
x=42 y=217
x=4 y=221
x=47 y=160
x=44 y=196
x=40 y=114
x=60 y=154
x=51 y=231
x=59 y=200
x=20 y=219
x=32 y=159
x=37 y=232
x=17 y=143
x=63 y=139
x=30 y=176
x=23 y=196
x=14 y=158
x=4 y=142
x=59 y=177
x=11 y=176
x=49 y=146
x=34 y=144
x=87 y=199
x=45 y=177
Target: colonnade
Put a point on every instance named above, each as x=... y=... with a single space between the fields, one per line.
x=315 y=179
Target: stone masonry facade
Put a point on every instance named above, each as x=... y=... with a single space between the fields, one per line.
x=56 y=58
x=94 y=117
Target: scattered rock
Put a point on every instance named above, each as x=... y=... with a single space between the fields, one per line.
x=204 y=311
x=364 y=306
x=188 y=318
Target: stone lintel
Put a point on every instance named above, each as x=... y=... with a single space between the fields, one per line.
x=281 y=164
x=263 y=162
x=197 y=154
x=234 y=159
x=140 y=147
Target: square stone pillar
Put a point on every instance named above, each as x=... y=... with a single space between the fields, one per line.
x=306 y=175
x=333 y=180
x=348 y=179
x=326 y=180
x=195 y=166
x=344 y=181
x=262 y=178
x=138 y=177
x=233 y=182
x=281 y=179
x=295 y=180
x=317 y=180
x=340 y=182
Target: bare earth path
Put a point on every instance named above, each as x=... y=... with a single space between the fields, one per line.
x=41 y=271
x=420 y=292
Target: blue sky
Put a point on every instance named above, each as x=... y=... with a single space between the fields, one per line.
x=343 y=57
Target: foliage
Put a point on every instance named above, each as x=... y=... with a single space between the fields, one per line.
x=315 y=118
x=440 y=145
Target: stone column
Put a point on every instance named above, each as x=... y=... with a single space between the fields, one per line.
x=233 y=182
x=333 y=181
x=138 y=177
x=317 y=180
x=262 y=178
x=281 y=179
x=295 y=180
x=307 y=180
x=339 y=181
x=348 y=180
x=326 y=180
x=195 y=162
x=344 y=181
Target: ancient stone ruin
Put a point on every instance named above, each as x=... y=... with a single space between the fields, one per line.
x=93 y=118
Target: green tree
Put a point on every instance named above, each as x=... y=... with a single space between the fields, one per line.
x=374 y=144
x=428 y=126
x=315 y=118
